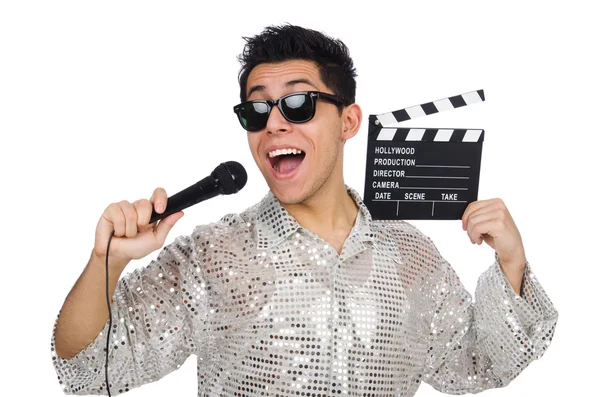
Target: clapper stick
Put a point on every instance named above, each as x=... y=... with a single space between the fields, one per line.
x=422 y=173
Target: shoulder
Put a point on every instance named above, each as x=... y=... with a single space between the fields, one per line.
x=226 y=229
x=229 y=228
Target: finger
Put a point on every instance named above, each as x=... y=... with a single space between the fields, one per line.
x=483 y=216
x=159 y=200
x=165 y=225
x=143 y=208
x=130 y=218
x=478 y=205
x=485 y=227
x=472 y=207
x=480 y=211
x=116 y=217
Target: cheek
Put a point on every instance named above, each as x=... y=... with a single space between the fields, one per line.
x=326 y=151
x=253 y=144
x=329 y=139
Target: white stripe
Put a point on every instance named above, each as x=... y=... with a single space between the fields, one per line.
x=386 y=119
x=415 y=134
x=443 y=104
x=472 y=135
x=471 y=97
x=415 y=111
x=386 y=134
x=443 y=135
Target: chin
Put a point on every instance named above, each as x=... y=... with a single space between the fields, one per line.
x=291 y=194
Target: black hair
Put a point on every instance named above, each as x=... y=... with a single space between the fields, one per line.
x=289 y=42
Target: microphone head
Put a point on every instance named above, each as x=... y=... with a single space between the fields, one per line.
x=231 y=175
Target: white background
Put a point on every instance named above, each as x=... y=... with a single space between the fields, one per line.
x=104 y=101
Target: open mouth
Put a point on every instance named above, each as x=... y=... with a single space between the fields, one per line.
x=285 y=161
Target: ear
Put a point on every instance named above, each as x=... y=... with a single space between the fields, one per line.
x=351 y=121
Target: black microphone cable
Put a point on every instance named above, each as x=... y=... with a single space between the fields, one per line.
x=109 y=317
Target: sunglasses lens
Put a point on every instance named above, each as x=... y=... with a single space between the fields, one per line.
x=253 y=116
x=298 y=108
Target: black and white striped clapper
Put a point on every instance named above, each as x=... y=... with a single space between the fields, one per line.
x=422 y=173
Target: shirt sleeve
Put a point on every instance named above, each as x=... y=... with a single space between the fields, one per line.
x=485 y=343
x=158 y=320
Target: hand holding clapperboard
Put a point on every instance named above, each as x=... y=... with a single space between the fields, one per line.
x=422 y=173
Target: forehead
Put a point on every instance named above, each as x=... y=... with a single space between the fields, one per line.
x=276 y=76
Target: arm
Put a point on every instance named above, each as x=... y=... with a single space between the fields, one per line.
x=84 y=312
x=490 y=221
x=474 y=346
x=156 y=325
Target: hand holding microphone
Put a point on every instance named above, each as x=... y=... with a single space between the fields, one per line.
x=134 y=236
x=135 y=224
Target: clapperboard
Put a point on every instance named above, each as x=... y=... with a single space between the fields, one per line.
x=422 y=173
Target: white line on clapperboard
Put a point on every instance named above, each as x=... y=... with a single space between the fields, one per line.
x=437 y=177
x=445 y=166
x=440 y=177
x=430 y=188
x=420 y=201
x=417 y=111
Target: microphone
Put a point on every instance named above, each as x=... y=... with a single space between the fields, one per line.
x=228 y=178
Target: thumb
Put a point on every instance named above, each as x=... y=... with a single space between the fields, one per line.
x=165 y=225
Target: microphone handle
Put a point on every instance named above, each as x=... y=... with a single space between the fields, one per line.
x=205 y=189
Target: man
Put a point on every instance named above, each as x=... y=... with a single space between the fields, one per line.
x=303 y=293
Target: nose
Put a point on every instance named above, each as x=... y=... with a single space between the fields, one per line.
x=276 y=123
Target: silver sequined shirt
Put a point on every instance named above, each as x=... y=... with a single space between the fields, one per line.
x=271 y=309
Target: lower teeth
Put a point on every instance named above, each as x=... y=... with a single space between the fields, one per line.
x=276 y=167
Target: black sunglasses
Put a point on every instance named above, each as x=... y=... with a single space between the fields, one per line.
x=298 y=107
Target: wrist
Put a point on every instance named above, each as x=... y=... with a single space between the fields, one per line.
x=514 y=270
x=514 y=264
x=114 y=262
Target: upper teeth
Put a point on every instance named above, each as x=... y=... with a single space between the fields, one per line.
x=279 y=152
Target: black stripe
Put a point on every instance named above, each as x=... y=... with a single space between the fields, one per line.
x=401 y=115
x=458 y=135
x=429 y=134
x=481 y=95
x=429 y=108
x=401 y=134
x=457 y=101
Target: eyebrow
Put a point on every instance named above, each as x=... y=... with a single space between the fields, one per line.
x=290 y=83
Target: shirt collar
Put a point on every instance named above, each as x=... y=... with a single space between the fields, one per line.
x=275 y=224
